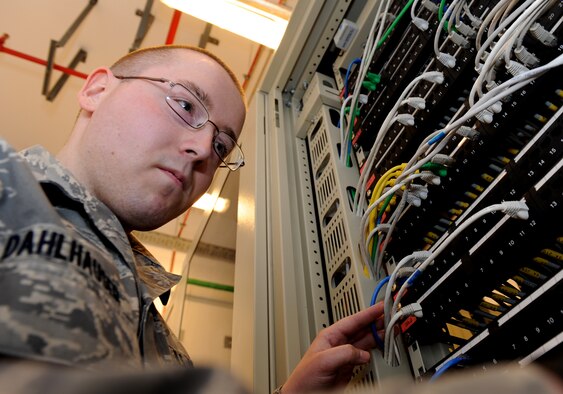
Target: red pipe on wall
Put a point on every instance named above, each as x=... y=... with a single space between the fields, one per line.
x=173 y=27
x=252 y=66
x=34 y=59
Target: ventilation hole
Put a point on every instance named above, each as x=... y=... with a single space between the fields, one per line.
x=351 y=193
x=316 y=129
x=334 y=117
x=340 y=273
x=323 y=165
x=331 y=212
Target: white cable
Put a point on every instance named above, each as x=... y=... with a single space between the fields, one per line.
x=520 y=14
x=515 y=209
x=444 y=58
x=498 y=93
x=365 y=218
x=359 y=199
x=364 y=65
x=517 y=39
x=393 y=220
x=413 y=258
x=407 y=310
x=485 y=24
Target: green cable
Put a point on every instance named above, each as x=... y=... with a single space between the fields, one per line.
x=383 y=38
x=441 y=15
x=441 y=10
x=395 y=22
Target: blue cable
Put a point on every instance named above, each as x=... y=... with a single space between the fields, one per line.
x=446 y=366
x=378 y=288
x=436 y=138
x=348 y=72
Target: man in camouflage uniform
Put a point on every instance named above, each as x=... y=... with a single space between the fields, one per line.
x=76 y=288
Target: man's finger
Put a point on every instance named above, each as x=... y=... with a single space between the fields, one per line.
x=345 y=355
x=351 y=325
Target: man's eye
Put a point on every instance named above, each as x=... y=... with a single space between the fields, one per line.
x=223 y=146
x=220 y=149
x=185 y=104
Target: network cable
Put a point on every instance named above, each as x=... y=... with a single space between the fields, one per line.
x=515 y=209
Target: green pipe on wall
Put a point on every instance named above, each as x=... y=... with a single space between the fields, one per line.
x=210 y=285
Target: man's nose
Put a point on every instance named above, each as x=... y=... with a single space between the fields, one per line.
x=199 y=142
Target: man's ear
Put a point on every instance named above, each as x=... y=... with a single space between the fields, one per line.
x=95 y=88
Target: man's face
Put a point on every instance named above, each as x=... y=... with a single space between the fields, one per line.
x=140 y=158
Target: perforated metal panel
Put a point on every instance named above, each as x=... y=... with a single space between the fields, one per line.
x=349 y=284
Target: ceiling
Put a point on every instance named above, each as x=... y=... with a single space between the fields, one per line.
x=107 y=32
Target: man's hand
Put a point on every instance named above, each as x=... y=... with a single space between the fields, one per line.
x=329 y=361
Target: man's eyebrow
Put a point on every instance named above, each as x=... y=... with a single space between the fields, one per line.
x=200 y=93
x=230 y=132
x=204 y=98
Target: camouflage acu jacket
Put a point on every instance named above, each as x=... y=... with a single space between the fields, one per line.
x=75 y=289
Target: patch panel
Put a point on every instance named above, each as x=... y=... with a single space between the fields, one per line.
x=409 y=190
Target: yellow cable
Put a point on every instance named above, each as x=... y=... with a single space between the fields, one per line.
x=385 y=179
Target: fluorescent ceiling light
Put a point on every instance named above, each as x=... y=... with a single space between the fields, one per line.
x=257 y=20
x=208 y=202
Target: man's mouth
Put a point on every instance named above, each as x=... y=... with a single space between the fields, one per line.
x=176 y=175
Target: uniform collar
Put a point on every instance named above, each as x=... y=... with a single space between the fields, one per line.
x=158 y=280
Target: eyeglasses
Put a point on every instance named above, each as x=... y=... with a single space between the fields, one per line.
x=191 y=110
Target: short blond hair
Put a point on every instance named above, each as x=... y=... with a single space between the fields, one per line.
x=135 y=62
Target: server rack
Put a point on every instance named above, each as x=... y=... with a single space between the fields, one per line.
x=481 y=275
